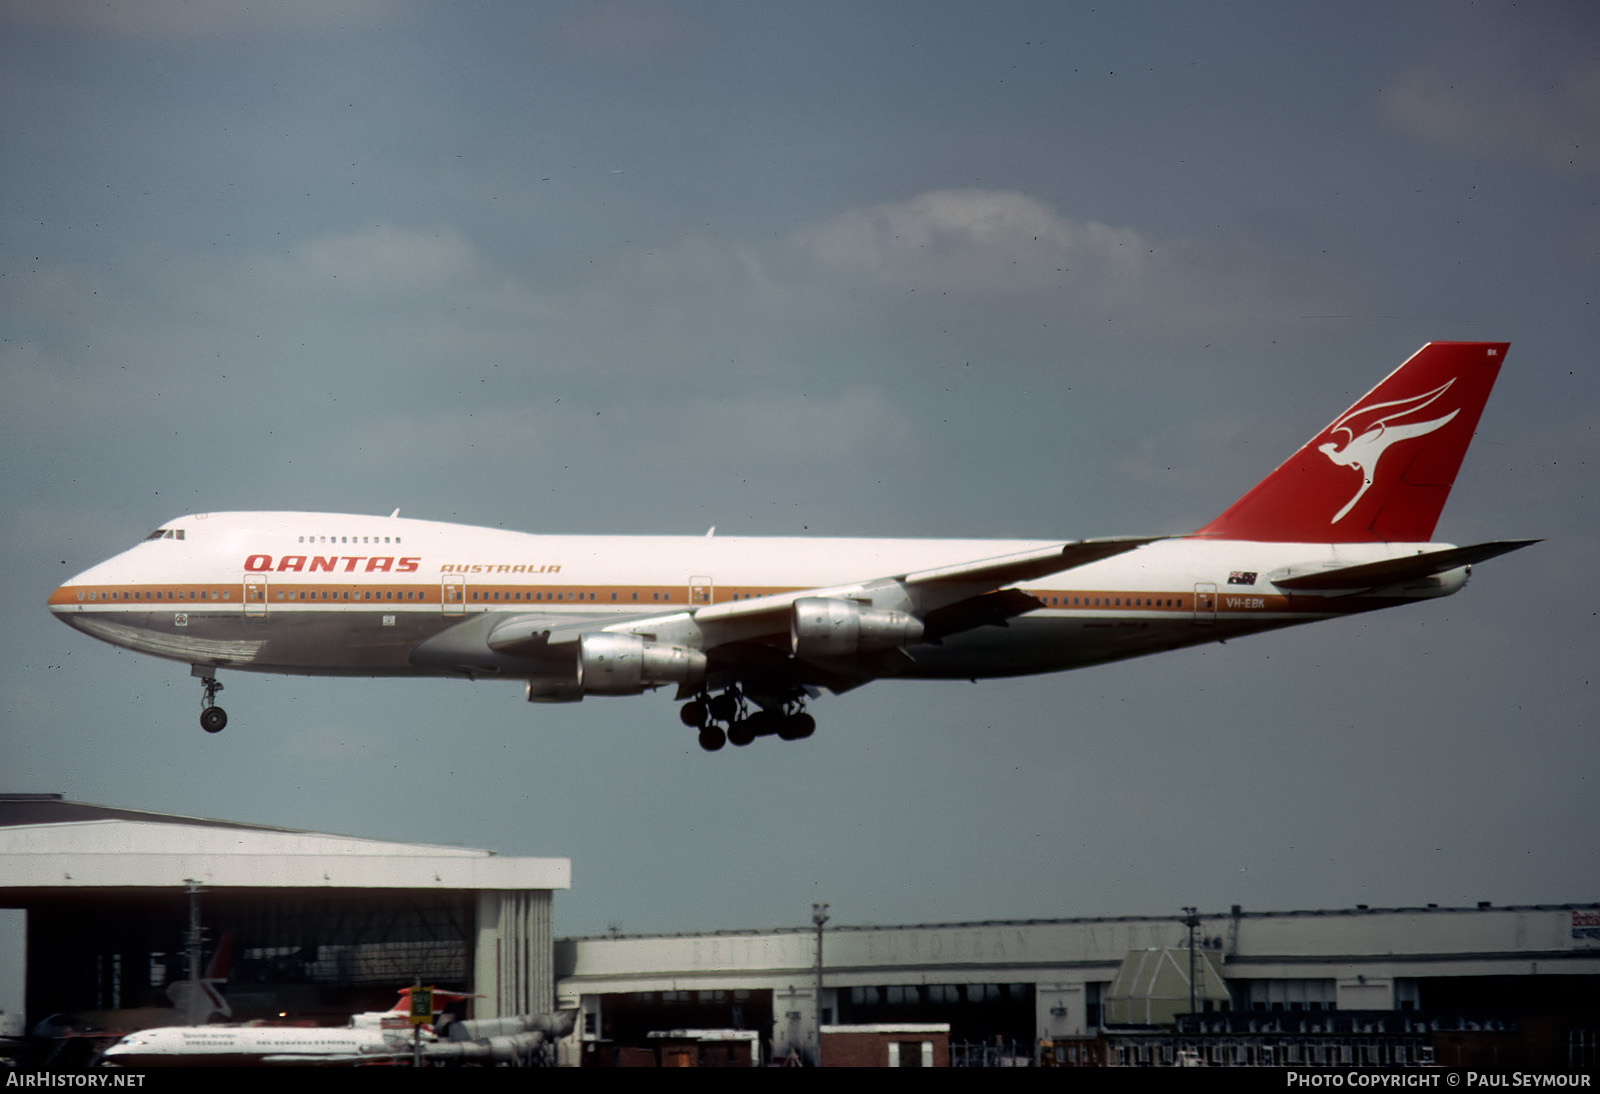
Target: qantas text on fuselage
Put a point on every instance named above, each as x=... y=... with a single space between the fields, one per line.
x=748 y=630
x=370 y=564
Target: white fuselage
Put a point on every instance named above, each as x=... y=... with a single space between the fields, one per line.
x=217 y=1046
x=349 y=595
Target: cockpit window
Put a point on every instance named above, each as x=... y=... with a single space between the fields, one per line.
x=165 y=533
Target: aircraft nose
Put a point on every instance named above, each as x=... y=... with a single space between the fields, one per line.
x=68 y=599
x=64 y=598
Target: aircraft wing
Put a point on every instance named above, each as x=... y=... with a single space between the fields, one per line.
x=930 y=590
x=740 y=634
x=949 y=598
x=1029 y=564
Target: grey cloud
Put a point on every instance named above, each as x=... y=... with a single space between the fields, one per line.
x=697 y=437
x=622 y=28
x=1472 y=107
x=186 y=20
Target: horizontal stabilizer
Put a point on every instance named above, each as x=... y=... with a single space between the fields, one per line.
x=1396 y=571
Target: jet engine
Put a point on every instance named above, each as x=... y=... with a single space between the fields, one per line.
x=514 y=1040
x=824 y=627
x=618 y=664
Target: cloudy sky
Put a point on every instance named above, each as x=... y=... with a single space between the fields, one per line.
x=1030 y=269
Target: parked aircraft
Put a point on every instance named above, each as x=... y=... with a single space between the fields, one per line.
x=235 y=1046
x=372 y=1037
x=749 y=629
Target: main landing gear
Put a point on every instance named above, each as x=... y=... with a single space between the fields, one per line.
x=212 y=717
x=726 y=718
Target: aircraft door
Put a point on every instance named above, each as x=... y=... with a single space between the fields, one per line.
x=255 y=594
x=453 y=594
x=700 y=591
x=1205 y=602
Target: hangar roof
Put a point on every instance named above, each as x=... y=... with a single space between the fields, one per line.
x=48 y=843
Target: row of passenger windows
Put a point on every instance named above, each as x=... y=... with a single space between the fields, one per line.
x=1111 y=601
x=657 y=597
x=159 y=594
x=550 y=596
x=348 y=539
x=352 y=594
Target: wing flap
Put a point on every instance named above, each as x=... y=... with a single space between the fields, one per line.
x=990 y=610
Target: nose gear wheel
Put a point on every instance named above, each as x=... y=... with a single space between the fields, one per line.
x=212 y=717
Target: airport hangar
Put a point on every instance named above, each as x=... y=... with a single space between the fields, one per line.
x=316 y=924
x=331 y=924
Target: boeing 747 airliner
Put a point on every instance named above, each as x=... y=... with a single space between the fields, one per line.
x=747 y=630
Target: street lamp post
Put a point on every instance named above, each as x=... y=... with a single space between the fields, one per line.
x=1191 y=920
x=819 y=916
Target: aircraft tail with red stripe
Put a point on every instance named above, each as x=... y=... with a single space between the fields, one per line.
x=1381 y=471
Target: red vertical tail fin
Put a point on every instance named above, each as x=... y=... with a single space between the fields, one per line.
x=1381 y=471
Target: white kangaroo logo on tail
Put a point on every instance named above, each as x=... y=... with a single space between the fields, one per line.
x=1370 y=432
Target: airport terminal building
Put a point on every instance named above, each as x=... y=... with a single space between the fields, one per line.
x=1113 y=989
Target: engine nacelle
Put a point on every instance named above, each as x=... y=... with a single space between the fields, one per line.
x=513 y=1048
x=824 y=627
x=555 y=688
x=625 y=664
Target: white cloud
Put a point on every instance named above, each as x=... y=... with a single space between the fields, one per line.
x=386 y=259
x=979 y=247
x=999 y=239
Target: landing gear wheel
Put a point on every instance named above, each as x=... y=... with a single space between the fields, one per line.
x=797 y=727
x=725 y=706
x=693 y=714
x=765 y=722
x=712 y=738
x=212 y=717
x=741 y=733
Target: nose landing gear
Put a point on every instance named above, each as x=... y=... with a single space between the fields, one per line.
x=212 y=717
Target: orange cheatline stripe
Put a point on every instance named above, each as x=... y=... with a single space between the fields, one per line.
x=544 y=594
